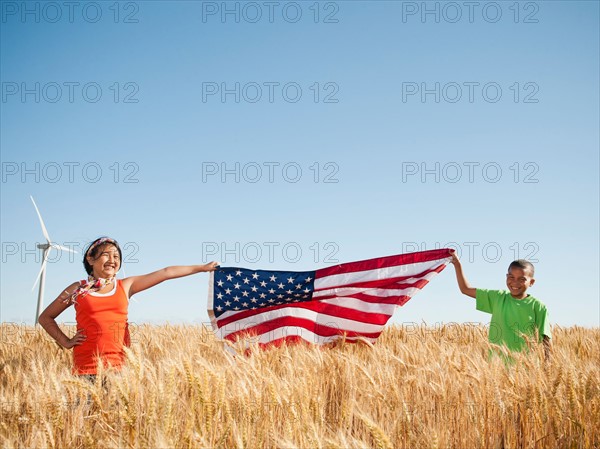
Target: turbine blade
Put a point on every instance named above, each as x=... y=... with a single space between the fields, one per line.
x=64 y=248
x=44 y=262
x=44 y=230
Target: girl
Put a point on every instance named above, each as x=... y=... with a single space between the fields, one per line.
x=101 y=305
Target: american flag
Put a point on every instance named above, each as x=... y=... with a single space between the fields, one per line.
x=351 y=301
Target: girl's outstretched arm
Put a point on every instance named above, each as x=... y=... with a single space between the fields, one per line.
x=136 y=284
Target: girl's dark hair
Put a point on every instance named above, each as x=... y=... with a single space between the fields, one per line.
x=94 y=248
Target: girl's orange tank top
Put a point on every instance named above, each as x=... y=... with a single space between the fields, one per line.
x=103 y=318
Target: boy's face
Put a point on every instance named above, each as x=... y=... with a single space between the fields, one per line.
x=518 y=281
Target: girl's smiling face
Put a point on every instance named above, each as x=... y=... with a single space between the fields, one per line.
x=107 y=262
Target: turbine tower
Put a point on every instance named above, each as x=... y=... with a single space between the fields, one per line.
x=46 y=248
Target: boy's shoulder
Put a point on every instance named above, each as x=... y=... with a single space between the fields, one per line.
x=492 y=293
x=537 y=303
x=503 y=295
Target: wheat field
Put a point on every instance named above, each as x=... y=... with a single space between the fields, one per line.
x=417 y=387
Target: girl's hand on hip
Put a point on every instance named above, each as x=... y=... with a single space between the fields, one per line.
x=76 y=340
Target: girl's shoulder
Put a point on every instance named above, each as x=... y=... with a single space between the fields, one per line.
x=126 y=282
x=71 y=288
x=68 y=292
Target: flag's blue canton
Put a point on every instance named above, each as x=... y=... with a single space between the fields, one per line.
x=241 y=289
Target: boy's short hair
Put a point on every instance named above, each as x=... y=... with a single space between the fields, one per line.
x=523 y=265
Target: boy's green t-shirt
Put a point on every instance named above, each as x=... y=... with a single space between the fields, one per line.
x=512 y=317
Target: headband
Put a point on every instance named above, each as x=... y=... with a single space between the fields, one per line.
x=100 y=242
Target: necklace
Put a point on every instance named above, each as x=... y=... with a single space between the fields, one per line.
x=91 y=285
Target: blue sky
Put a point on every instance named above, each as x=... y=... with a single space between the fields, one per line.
x=387 y=131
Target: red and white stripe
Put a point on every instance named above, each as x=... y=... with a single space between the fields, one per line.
x=352 y=301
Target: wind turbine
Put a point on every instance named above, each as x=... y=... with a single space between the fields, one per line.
x=46 y=247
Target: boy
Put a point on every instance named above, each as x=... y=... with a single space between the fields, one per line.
x=514 y=312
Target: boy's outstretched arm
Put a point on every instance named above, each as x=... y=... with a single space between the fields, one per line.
x=463 y=284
